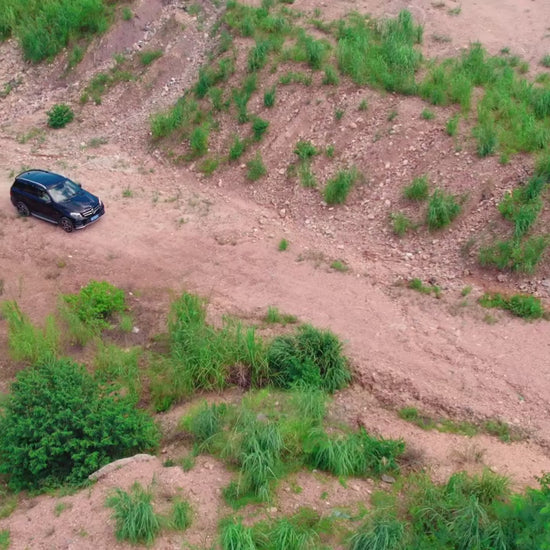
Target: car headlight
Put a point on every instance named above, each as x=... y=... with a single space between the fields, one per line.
x=77 y=216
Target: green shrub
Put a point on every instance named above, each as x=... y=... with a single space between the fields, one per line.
x=337 y=188
x=255 y=168
x=59 y=426
x=95 y=303
x=259 y=127
x=60 y=115
x=27 y=342
x=310 y=356
x=133 y=513
x=442 y=209
x=418 y=190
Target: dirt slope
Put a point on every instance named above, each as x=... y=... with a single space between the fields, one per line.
x=218 y=236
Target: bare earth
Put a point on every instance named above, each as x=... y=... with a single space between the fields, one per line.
x=218 y=237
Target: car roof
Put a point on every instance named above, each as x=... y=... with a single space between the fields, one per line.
x=47 y=179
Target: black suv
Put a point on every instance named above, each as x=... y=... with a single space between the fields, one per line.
x=56 y=199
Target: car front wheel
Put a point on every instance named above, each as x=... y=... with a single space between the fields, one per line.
x=66 y=225
x=22 y=209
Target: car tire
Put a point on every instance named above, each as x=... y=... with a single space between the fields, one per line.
x=66 y=224
x=22 y=209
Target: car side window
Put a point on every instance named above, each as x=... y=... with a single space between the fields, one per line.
x=33 y=190
x=44 y=197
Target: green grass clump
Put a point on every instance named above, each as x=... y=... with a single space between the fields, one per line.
x=452 y=125
x=180 y=515
x=426 y=114
x=305 y=150
x=383 y=55
x=4 y=539
x=44 y=28
x=380 y=534
x=283 y=245
x=238 y=147
x=203 y=357
x=133 y=513
x=516 y=255
x=148 y=56
x=275 y=316
x=181 y=116
x=331 y=77
x=337 y=188
x=259 y=128
x=119 y=367
x=235 y=536
x=442 y=209
x=545 y=61
x=96 y=303
x=418 y=190
x=27 y=342
x=520 y=305
x=400 y=223
x=522 y=206
x=355 y=454
x=60 y=115
x=269 y=96
x=255 y=168
x=293 y=77
x=310 y=356
x=198 y=141
x=445 y=425
x=339 y=265
x=52 y=431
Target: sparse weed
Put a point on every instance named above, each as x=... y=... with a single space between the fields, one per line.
x=127 y=14
x=525 y=306
x=339 y=265
x=419 y=286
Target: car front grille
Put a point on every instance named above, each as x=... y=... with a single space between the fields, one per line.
x=90 y=211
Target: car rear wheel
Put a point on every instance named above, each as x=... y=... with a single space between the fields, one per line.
x=66 y=225
x=22 y=209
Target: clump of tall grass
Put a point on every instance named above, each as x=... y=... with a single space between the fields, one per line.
x=516 y=255
x=522 y=206
x=212 y=75
x=338 y=188
x=236 y=536
x=179 y=117
x=117 y=366
x=442 y=209
x=44 y=28
x=382 y=55
x=418 y=190
x=310 y=356
x=255 y=167
x=27 y=342
x=353 y=454
x=133 y=513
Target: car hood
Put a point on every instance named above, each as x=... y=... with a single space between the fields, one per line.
x=81 y=201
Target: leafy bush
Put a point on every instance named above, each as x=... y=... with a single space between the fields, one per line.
x=418 y=190
x=27 y=342
x=312 y=357
x=442 y=209
x=95 y=303
x=59 y=426
x=337 y=189
x=133 y=513
x=60 y=115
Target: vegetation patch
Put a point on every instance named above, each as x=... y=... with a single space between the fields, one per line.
x=60 y=115
x=419 y=286
x=337 y=188
x=520 y=305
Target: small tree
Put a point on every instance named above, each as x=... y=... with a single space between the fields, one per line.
x=59 y=426
x=60 y=115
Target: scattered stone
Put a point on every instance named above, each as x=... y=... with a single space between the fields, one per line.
x=387 y=479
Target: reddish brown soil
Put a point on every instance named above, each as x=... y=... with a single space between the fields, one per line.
x=218 y=237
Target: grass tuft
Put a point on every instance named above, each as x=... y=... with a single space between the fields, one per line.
x=337 y=188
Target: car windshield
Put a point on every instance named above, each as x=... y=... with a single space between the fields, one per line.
x=64 y=191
